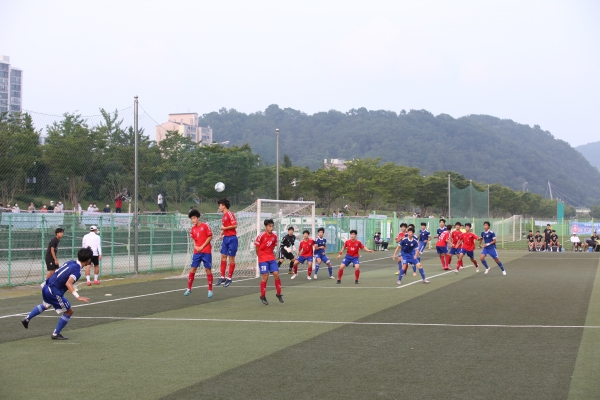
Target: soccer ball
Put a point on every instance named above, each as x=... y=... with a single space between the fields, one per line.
x=219 y=187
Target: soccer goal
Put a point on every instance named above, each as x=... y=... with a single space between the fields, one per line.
x=509 y=229
x=285 y=213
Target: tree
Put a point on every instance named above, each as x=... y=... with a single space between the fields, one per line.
x=326 y=185
x=595 y=211
x=18 y=154
x=398 y=183
x=361 y=181
x=176 y=151
x=72 y=152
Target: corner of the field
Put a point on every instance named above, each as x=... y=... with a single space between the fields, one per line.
x=584 y=381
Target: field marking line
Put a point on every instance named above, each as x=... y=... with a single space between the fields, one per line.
x=269 y=321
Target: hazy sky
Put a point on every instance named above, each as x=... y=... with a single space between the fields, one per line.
x=535 y=62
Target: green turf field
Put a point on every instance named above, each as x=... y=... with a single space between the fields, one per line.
x=533 y=334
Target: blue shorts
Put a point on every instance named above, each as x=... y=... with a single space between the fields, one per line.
x=267 y=267
x=204 y=258
x=492 y=252
x=301 y=259
x=323 y=258
x=60 y=303
x=454 y=251
x=229 y=246
x=441 y=250
x=422 y=246
x=409 y=259
x=468 y=253
x=351 y=260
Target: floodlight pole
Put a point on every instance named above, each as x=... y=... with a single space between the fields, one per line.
x=135 y=190
x=448 y=197
x=277 y=162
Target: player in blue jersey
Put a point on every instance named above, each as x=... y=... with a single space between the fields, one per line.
x=320 y=256
x=424 y=235
x=410 y=255
x=53 y=292
x=489 y=247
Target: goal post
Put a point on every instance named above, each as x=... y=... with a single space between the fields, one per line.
x=285 y=213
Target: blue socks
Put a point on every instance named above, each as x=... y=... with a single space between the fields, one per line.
x=330 y=269
x=414 y=268
x=422 y=273
x=500 y=265
x=36 y=311
x=401 y=274
x=62 y=322
x=317 y=268
x=485 y=264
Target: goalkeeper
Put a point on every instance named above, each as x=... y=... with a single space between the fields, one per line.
x=286 y=249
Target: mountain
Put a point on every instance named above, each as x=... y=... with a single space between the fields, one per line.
x=483 y=148
x=591 y=152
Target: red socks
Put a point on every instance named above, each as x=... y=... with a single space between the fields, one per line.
x=209 y=278
x=443 y=261
x=223 y=268
x=263 y=288
x=191 y=277
x=459 y=264
x=277 y=285
x=356 y=273
x=295 y=268
x=340 y=274
x=448 y=260
x=309 y=271
x=231 y=269
x=475 y=262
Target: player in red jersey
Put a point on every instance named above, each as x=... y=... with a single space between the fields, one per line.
x=468 y=246
x=456 y=241
x=202 y=235
x=230 y=241
x=352 y=256
x=265 y=245
x=305 y=253
x=401 y=235
x=442 y=248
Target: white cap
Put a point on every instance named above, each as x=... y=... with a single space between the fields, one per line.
x=93 y=228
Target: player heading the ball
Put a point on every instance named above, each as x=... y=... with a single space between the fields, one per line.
x=53 y=292
x=352 y=256
x=265 y=244
x=202 y=236
x=230 y=241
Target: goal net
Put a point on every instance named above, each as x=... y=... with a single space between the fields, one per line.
x=509 y=229
x=299 y=214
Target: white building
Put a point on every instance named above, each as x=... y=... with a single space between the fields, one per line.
x=11 y=86
x=186 y=124
x=338 y=163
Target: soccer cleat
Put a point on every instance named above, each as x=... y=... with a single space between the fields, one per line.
x=58 y=336
x=338 y=281
x=264 y=300
x=476 y=269
x=221 y=280
x=487 y=270
x=290 y=271
x=209 y=294
x=308 y=277
x=397 y=273
x=294 y=276
x=425 y=281
x=89 y=283
x=332 y=277
x=456 y=271
x=503 y=272
x=280 y=297
x=356 y=281
x=96 y=282
x=187 y=292
x=315 y=276
x=25 y=323
x=414 y=274
x=227 y=283
x=399 y=282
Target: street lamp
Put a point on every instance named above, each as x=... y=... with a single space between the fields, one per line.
x=277 y=162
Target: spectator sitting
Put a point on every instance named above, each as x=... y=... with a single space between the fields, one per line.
x=90 y=208
x=531 y=241
x=96 y=209
x=106 y=209
x=59 y=207
x=31 y=208
x=44 y=209
x=576 y=242
x=16 y=209
x=379 y=242
x=539 y=241
x=51 y=206
x=554 y=243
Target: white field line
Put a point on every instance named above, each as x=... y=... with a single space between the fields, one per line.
x=268 y=321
